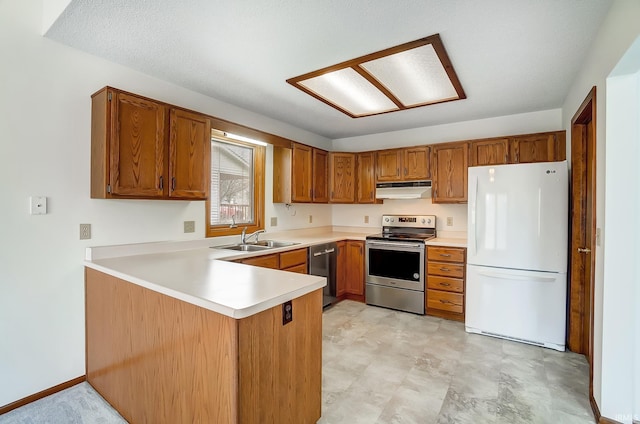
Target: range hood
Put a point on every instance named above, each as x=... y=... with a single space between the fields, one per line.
x=404 y=190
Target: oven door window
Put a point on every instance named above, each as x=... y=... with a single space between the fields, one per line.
x=395 y=264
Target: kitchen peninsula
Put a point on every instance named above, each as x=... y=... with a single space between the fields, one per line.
x=177 y=336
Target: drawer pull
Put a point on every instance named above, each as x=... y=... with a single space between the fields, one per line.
x=444 y=269
x=445 y=284
x=445 y=255
x=447 y=302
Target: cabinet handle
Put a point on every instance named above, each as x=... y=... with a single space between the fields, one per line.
x=161 y=182
x=446 y=302
x=446 y=255
x=444 y=269
x=406 y=171
x=397 y=171
x=445 y=284
x=371 y=195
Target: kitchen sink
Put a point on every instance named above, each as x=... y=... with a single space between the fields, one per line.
x=274 y=243
x=256 y=247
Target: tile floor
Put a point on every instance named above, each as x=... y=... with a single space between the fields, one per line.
x=386 y=367
x=382 y=367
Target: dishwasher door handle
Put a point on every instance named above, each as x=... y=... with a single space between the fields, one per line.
x=325 y=252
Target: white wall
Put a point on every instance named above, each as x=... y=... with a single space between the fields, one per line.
x=619 y=308
x=45 y=150
x=616 y=34
x=523 y=123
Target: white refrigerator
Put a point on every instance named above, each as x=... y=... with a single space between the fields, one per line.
x=517 y=252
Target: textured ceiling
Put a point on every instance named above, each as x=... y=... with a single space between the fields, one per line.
x=511 y=56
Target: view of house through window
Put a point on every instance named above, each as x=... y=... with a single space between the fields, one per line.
x=232 y=173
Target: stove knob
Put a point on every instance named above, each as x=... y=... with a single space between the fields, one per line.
x=423 y=220
x=392 y=219
x=386 y=219
x=429 y=221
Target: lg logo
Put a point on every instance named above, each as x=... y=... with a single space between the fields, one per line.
x=550 y=171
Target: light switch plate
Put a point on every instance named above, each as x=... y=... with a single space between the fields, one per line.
x=449 y=221
x=37 y=205
x=366 y=219
x=274 y=221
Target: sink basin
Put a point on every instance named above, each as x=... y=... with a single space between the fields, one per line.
x=274 y=243
x=245 y=247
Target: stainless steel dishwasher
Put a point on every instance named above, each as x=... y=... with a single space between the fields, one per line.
x=322 y=262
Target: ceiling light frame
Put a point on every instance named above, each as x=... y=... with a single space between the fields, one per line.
x=357 y=65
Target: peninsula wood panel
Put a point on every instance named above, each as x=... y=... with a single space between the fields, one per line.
x=286 y=363
x=320 y=193
x=189 y=155
x=157 y=359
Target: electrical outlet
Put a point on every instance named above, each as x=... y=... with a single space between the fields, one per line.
x=287 y=312
x=85 y=231
x=598 y=236
x=274 y=221
x=310 y=219
x=189 y=226
x=449 y=221
x=366 y=219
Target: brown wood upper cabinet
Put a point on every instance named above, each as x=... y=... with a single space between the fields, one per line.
x=543 y=147
x=493 y=151
x=365 y=178
x=342 y=175
x=142 y=148
x=412 y=163
x=300 y=174
x=449 y=179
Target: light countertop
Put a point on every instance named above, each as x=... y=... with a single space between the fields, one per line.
x=196 y=273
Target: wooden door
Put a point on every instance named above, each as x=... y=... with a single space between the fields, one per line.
x=365 y=178
x=137 y=147
x=341 y=269
x=450 y=172
x=342 y=177
x=189 y=155
x=320 y=176
x=302 y=177
x=583 y=221
x=388 y=163
x=416 y=163
x=355 y=268
x=489 y=152
x=533 y=148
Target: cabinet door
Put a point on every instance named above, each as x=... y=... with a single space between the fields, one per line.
x=137 y=147
x=416 y=163
x=301 y=180
x=533 y=148
x=388 y=163
x=189 y=155
x=365 y=178
x=450 y=173
x=342 y=177
x=490 y=152
x=355 y=268
x=320 y=173
x=341 y=269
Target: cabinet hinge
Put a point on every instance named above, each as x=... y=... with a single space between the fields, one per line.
x=108 y=188
x=109 y=96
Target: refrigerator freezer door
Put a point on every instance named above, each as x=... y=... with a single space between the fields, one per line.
x=518 y=216
x=524 y=306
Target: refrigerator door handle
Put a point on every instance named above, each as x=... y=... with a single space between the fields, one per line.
x=474 y=222
x=509 y=276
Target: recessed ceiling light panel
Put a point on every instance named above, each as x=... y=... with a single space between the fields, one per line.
x=414 y=74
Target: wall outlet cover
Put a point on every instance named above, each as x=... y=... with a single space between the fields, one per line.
x=85 y=231
x=366 y=219
x=189 y=226
x=274 y=221
x=287 y=312
x=310 y=219
x=449 y=221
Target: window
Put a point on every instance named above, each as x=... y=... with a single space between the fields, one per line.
x=236 y=198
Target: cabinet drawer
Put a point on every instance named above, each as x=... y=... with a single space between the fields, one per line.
x=300 y=269
x=265 y=261
x=445 y=301
x=293 y=258
x=445 y=283
x=445 y=254
x=445 y=269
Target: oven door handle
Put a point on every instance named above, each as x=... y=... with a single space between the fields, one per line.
x=374 y=244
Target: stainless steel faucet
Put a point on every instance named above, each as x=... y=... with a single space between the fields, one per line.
x=244 y=237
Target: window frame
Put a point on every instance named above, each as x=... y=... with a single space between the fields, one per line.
x=259 y=158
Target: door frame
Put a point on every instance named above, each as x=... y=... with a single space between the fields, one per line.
x=581 y=293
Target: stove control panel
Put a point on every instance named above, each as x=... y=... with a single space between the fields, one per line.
x=413 y=221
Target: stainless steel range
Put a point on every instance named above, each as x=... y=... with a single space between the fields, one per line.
x=395 y=262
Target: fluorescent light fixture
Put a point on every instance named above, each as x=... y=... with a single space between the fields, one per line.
x=245 y=139
x=410 y=75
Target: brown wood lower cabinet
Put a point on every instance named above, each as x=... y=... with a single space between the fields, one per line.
x=446 y=282
x=291 y=260
x=158 y=359
x=350 y=270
